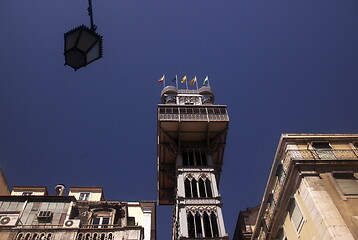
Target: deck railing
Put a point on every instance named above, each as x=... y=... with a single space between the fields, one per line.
x=185 y=113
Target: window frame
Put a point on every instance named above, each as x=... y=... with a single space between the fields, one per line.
x=87 y=198
x=101 y=215
x=323 y=153
x=292 y=206
x=336 y=185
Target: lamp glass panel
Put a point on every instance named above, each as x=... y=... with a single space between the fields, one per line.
x=75 y=59
x=87 y=39
x=93 y=53
x=70 y=39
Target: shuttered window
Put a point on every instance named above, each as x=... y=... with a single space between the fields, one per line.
x=295 y=213
x=347 y=182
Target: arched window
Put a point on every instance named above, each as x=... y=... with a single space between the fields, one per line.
x=214 y=225
x=110 y=236
x=79 y=237
x=208 y=188
x=187 y=188
x=194 y=188
x=88 y=236
x=199 y=230
x=28 y=236
x=191 y=188
x=207 y=226
x=191 y=226
x=202 y=188
x=20 y=236
x=103 y=236
x=49 y=236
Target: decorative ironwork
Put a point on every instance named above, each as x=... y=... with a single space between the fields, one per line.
x=197 y=114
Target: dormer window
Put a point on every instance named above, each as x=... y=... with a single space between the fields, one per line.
x=101 y=219
x=84 y=196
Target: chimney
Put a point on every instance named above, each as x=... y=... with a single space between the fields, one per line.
x=60 y=188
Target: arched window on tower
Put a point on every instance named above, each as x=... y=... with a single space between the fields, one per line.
x=192 y=186
x=199 y=230
x=187 y=186
x=207 y=225
x=214 y=225
x=208 y=188
x=202 y=188
x=202 y=225
x=191 y=226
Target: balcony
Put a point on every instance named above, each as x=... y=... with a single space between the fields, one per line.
x=192 y=113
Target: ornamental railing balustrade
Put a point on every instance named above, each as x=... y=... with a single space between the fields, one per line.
x=329 y=154
x=100 y=226
x=193 y=113
x=95 y=236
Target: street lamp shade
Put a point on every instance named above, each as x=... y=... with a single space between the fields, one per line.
x=82 y=46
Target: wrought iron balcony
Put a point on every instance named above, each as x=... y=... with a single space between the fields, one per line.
x=196 y=113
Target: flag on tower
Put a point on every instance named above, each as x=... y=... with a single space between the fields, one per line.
x=161 y=79
x=206 y=80
x=184 y=79
x=192 y=82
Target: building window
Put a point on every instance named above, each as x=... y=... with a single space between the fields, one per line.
x=194 y=158
x=191 y=188
x=323 y=150
x=34 y=236
x=101 y=219
x=347 y=183
x=44 y=216
x=84 y=196
x=295 y=214
x=27 y=193
x=202 y=225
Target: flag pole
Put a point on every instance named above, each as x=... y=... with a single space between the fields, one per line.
x=176 y=80
x=186 y=81
x=209 y=82
x=196 y=81
x=163 y=80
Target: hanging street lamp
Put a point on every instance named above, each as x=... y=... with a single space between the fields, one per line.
x=82 y=44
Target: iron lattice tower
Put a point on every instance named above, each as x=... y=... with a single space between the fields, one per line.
x=191 y=141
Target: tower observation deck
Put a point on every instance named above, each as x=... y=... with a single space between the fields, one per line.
x=191 y=141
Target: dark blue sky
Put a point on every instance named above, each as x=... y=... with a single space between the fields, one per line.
x=281 y=66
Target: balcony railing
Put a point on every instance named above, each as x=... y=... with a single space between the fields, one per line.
x=99 y=225
x=281 y=177
x=193 y=113
x=95 y=236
